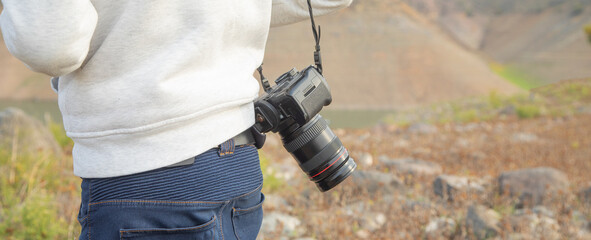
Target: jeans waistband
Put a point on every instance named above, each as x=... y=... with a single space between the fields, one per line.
x=212 y=177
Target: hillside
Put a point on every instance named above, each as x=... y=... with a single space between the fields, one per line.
x=541 y=39
x=380 y=54
x=384 y=54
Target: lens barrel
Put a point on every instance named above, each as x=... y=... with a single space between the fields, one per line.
x=320 y=153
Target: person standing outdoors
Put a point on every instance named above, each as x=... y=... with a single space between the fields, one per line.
x=158 y=99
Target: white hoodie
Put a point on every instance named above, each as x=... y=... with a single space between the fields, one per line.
x=146 y=84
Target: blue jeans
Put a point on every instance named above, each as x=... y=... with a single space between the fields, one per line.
x=217 y=197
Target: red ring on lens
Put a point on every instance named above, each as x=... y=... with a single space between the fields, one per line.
x=330 y=164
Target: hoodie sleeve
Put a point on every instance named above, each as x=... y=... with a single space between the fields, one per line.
x=51 y=37
x=290 y=11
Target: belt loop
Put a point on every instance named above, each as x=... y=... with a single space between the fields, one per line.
x=226 y=148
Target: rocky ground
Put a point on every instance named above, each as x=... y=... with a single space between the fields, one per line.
x=502 y=168
x=501 y=179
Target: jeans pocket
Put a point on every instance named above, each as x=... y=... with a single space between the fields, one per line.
x=203 y=231
x=247 y=220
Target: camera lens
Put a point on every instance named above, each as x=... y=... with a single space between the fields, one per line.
x=320 y=153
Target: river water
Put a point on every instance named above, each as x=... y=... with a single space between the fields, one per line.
x=338 y=118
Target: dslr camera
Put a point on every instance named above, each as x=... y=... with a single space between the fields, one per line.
x=291 y=109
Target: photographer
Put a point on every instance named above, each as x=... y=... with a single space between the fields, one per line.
x=158 y=98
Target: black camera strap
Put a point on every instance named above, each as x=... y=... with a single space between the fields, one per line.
x=317 y=58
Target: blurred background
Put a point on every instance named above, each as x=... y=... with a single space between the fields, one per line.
x=445 y=105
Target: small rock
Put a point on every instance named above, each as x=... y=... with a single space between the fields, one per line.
x=584 y=109
x=477 y=156
x=365 y=159
x=421 y=150
x=538 y=210
x=411 y=166
x=508 y=110
x=517 y=236
x=579 y=219
x=422 y=128
x=276 y=202
x=363 y=234
x=364 y=137
x=273 y=221
x=585 y=195
x=374 y=181
x=401 y=143
x=524 y=137
x=536 y=226
x=355 y=209
x=422 y=207
x=466 y=128
x=583 y=234
x=461 y=142
x=543 y=211
x=372 y=221
x=448 y=186
x=286 y=169
x=482 y=222
x=535 y=185
x=440 y=227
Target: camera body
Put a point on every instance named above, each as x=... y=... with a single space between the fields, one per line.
x=291 y=108
x=296 y=98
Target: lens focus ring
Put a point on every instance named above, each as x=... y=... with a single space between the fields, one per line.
x=318 y=125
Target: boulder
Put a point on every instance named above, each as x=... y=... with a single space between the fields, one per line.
x=411 y=166
x=482 y=222
x=449 y=187
x=22 y=133
x=534 y=186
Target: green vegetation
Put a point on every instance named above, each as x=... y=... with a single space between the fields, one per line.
x=468 y=115
x=555 y=100
x=33 y=188
x=587 y=30
x=515 y=75
x=271 y=183
x=59 y=134
x=39 y=193
x=495 y=100
x=528 y=111
x=573 y=92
